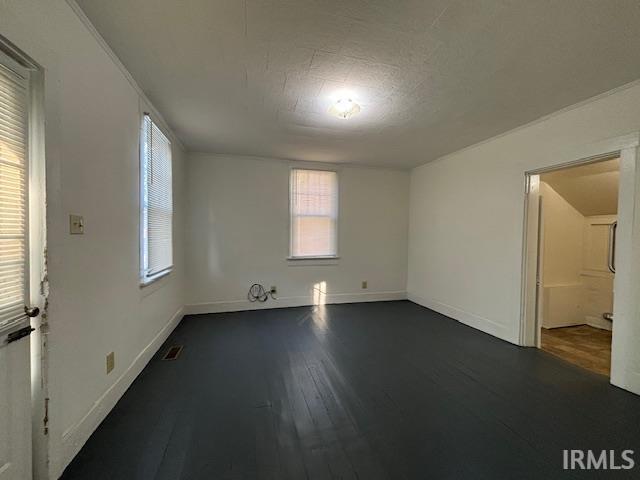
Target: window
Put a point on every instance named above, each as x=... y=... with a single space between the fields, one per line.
x=313 y=204
x=156 y=202
x=13 y=192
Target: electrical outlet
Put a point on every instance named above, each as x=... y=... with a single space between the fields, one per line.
x=274 y=289
x=111 y=362
x=364 y=284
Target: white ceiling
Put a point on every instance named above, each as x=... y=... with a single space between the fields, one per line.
x=256 y=77
x=592 y=189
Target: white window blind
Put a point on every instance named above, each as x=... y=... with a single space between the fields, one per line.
x=156 y=202
x=13 y=195
x=314 y=213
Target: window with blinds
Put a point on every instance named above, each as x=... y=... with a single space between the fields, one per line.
x=156 y=202
x=314 y=213
x=13 y=196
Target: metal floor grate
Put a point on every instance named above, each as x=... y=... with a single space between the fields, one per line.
x=173 y=353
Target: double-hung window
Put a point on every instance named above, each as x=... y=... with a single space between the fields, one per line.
x=313 y=206
x=156 y=202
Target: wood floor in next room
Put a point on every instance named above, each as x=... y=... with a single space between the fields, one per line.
x=581 y=345
x=369 y=391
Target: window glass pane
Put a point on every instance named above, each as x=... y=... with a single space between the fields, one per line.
x=13 y=198
x=156 y=201
x=314 y=213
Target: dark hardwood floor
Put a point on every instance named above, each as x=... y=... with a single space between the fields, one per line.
x=357 y=391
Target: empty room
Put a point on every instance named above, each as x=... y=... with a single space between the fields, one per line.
x=319 y=239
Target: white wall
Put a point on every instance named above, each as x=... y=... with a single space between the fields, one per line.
x=95 y=303
x=563 y=238
x=466 y=211
x=563 y=234
x=238 y=234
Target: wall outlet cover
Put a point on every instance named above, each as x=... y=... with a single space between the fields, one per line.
x=273 y=289
x=365 y=284
x=111 y=362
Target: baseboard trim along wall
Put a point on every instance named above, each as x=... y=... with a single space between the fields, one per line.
x=470 y=319
x=598 y=322
x=76 y=436
x=283 y=302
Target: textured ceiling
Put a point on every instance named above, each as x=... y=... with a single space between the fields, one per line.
x=592 y=189
x=256 y=77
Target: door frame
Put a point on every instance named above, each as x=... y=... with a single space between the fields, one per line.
x=625 y=367
x=38 y=277
x=36 y=273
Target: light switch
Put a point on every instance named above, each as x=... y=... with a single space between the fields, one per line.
x=76 y=224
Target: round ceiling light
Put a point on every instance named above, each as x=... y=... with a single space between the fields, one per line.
x=344 y=108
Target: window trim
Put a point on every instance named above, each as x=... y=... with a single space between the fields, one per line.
x=313 y=259
x=145 y=281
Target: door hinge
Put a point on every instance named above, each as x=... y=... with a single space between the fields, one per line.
x=45 y=420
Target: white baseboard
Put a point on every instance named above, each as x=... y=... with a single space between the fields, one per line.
x=283 y=302
x=548 y=326
x=76 y=436
x=471 y=319
x=598 y=322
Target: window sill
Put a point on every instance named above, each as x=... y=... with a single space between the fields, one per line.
x=312 y=261
x=147 y=282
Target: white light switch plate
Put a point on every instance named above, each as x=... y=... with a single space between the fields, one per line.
x=76 y=224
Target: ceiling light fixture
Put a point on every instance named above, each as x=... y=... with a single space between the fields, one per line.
x=344 y=108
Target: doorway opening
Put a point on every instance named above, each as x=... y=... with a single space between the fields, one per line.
x=577 y=234
x=625 y=363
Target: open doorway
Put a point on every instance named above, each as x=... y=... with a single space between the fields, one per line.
x=578 y=222
x=625 y=360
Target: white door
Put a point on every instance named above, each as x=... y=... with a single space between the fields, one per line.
x=15 y=384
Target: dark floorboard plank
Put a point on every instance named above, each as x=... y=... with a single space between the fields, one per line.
x=371 y=391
